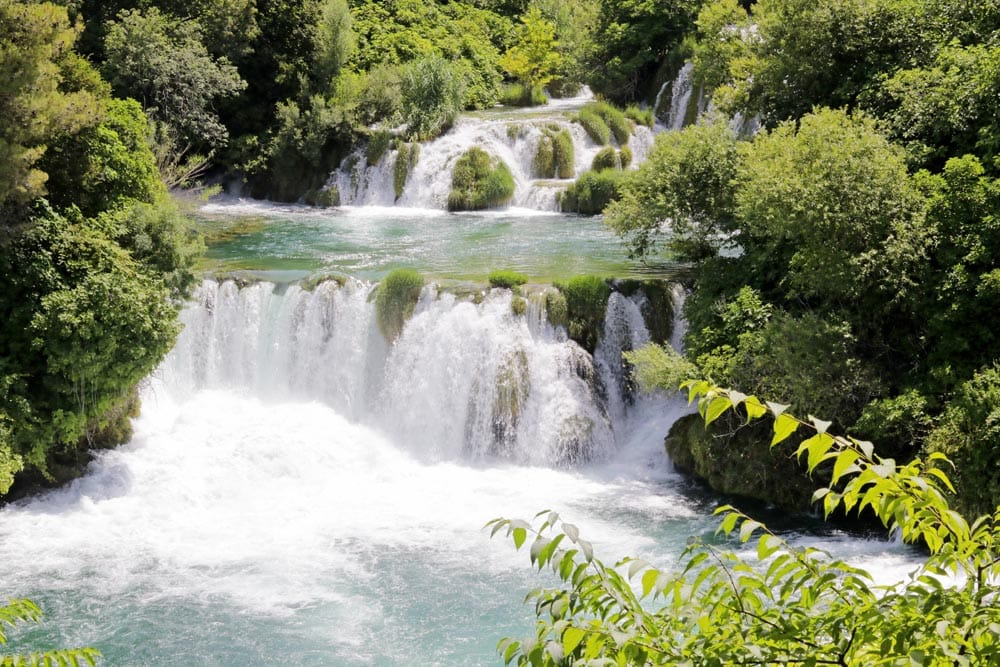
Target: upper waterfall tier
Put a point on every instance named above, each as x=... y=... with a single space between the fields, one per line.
x=512 y=136
x=463 y=380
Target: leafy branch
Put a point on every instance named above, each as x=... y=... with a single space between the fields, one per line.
x=20 y=611
x=788 y=604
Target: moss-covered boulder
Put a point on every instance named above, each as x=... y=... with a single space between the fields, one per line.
x=737 y=459
x=544 y=163
x=586 y=303
x=395 y=298
x=555 y=308
x=480 y=181
x=564 y=155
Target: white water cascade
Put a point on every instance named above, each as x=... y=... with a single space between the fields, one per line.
x=511 y=136
x=511 y=387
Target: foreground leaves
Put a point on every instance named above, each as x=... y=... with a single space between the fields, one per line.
x=786 y=605
x=26 y=611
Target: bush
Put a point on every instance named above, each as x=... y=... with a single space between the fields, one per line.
x=586 y=302
x=507 y=279
x=406 y=160
x=625 y=157
x=613 y=118
x=433 y=93
x=564 y=154
x=518 y=305
x=479 y=181
x=606 y=158
x=640 y=116
x=395 y=298
x=520 y=95
x=592 y=192
x=595 y=126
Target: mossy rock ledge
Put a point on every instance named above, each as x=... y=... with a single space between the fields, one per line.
x=736 y=459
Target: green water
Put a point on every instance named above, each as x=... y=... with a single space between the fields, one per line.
x=367 y=243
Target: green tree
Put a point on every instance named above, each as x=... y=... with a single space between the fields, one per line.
x=40 y=96
x=432 y=93
x=533 y=59
x=631 y=39
x=687 y=186
x=163 y=62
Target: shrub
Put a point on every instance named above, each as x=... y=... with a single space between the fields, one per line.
x=606 y=158
x=618 y=125
x=507 y=279
x=520 y=95
x=544 y=165
x=564 y=154
x=586 y=302
x=406 y=160
x=592 y=192
x=640 y=116
x=395 y=298
x=479 y=181
x=433 y=92
x=378 y=144
x=595 y=126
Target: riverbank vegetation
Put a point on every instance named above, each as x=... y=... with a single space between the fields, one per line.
x=845 y=257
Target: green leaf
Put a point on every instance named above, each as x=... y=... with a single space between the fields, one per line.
x=649 y=578
x=845 y=460
x=520 y=534
x=572 y=532
x=716 y=406
x=747 y=529
x=572 y=638
x=767 y=545
x=784 y=426
x=755 y=409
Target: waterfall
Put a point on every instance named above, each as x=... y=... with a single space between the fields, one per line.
x=512 y=136
x=512 y=387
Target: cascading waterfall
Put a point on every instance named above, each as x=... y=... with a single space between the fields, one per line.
x=511 y=387
x=510 y=136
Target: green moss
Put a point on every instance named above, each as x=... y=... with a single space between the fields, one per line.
x=595 y=126
x=640 y=116
x=592 y=192
x=658 y=312
x=555 y=308
x=518 y=305
x=406 y=160
x=507 y=279
x=564 y=154
x=544 y=164
x=378 y=144
x=314 y=281
x=395 y=298
x=479 y=181
x=586 y=302
x=737 y=459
